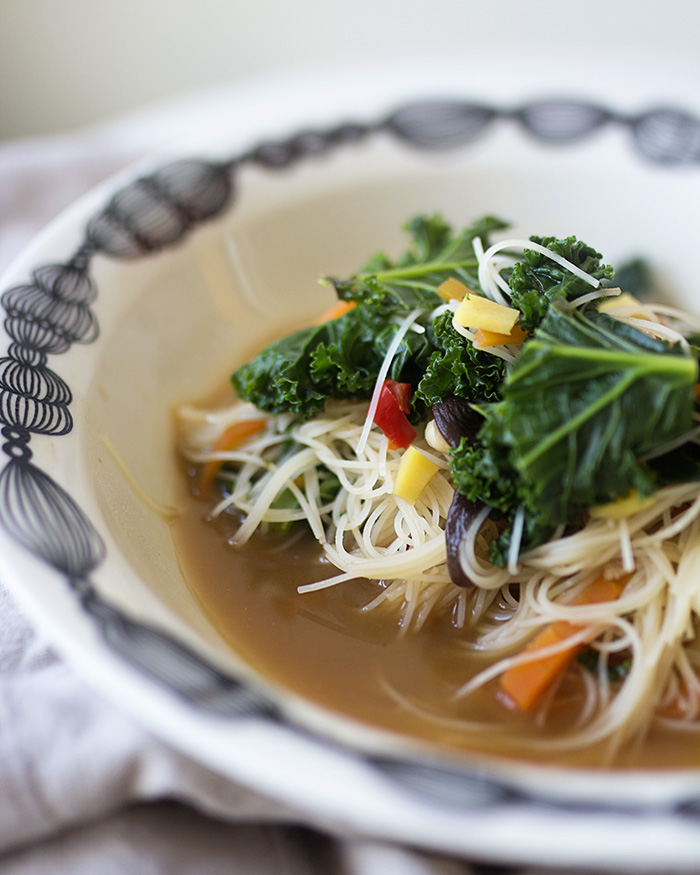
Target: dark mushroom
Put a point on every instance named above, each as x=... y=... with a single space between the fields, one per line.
x=461 y=516
x=455 y=418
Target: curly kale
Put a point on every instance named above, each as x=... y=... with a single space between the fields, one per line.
x=566 y=425
x=457 y=368
x=582 y=404
x=341 y=358
x=435 y=253
x=536 y=281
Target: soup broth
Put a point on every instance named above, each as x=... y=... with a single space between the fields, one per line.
x=362 y=664
x=463 y=429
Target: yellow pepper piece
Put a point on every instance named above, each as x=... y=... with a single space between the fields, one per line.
x=477 y=312
x=623 y=300
x=621 y=507
x=415 y=472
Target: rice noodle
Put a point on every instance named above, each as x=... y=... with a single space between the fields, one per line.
x=366 y=531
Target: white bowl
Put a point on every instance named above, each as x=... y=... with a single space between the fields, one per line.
x=178 y=301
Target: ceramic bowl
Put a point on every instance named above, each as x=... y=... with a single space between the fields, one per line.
x=150 y=290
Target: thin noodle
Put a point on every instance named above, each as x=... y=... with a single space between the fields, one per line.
x=291 y=472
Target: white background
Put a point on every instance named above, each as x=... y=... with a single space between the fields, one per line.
x=69 y=63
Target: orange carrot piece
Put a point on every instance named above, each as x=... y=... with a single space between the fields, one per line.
x=601 y=590
x=452 y=289
x=227 y=440
x=340 y=308
x=524 y=684
x=483 y=338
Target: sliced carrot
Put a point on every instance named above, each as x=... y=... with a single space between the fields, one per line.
x=524 y=684
x=227 y=440
x=601 y=590
x=483 y=338
x=340 y=308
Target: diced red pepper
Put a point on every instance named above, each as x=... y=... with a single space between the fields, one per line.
x=390 y=415
x=402 y=393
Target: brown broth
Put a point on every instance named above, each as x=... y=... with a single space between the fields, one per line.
x=323 y=646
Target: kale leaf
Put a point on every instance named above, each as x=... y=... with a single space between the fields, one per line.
x=587 y=397
x=457 y=367
x=341 y=358
x=435 y=253
x=536 y=281
x=636 y=277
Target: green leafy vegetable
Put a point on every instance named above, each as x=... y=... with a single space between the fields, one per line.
x=618 y=667
x=680 y=466
x=457 y=367
x=636 y=277
x=587 y=397
x=536 y=281
x=435 y=254
x=341 y=358
x=567 y=425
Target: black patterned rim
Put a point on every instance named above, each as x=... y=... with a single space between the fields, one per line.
x=52 y=311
